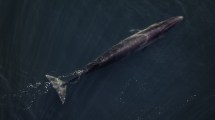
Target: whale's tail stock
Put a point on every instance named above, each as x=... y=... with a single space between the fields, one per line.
x=59 y=85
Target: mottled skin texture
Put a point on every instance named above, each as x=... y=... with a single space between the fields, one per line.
x=131 y=44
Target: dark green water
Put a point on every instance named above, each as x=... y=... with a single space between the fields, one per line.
x=173 y=79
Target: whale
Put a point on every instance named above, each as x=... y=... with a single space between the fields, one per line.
x=136 y=42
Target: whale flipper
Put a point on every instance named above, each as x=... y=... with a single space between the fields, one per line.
x=59 y=85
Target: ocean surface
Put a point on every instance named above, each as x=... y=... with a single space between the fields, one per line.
x=173 y=79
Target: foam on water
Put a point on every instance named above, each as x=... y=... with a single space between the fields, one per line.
x=30 y=94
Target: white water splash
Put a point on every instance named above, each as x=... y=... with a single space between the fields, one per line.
x=30 y=94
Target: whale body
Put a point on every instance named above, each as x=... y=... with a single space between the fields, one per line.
x=129 y=45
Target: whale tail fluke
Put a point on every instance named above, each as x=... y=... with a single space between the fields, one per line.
x=59 y=85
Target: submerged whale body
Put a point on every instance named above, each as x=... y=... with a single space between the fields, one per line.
x=133 y=43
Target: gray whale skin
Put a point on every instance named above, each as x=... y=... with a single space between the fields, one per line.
x=133 y=43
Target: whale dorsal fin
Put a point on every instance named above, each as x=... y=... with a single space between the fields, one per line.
x=134 y=30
